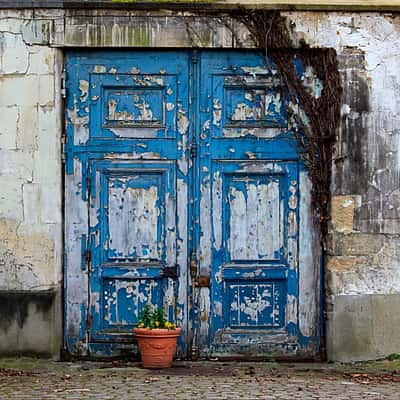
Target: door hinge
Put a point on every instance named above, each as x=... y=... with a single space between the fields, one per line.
x=170 y=272
x=63 y=143
x=63 y=84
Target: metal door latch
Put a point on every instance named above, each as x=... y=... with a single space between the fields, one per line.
x=203 y=281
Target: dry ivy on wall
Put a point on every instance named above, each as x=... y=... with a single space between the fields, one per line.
x=270 y=33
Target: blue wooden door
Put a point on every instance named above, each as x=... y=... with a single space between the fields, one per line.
x=183 y=190
x=126 y=176
x=248 y=236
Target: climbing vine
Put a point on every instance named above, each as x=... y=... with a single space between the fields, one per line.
x=317 y=130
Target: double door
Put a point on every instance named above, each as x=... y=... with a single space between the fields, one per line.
x=183 y=186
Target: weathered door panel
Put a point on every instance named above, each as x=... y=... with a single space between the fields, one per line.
x=248 y=239
x=126 y=175
x=133 y=242
x=254 y=256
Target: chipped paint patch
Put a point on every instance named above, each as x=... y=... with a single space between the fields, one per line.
x=183 y=121
x=257 y=132
x=84 y=89
x=205 y=234
x=258 y=71
x=80 y=124
x=310 y=81
x=146 y=155
x=99 y=69
x=217 y=112
x=218 y=308
x=133 y=220
x=182 y=252
x=292 y=222
x=242 y=112
x=291 y=309
x=183 y=126
x=254 y=222
x=217 y=210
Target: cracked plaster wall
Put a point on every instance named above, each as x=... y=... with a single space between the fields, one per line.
x=366 y=168
x=30 y=167
x=30 y=190
x=362 y=270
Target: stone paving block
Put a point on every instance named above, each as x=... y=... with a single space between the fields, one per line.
x=211 y=381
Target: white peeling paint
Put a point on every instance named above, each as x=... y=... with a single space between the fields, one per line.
x=146 y=155
x=260 y=167
x=80 y=124
x=182 y=252
x=217 y=112
x=145 y=112
x=292 y=221
x=133 y=220
x=170 y=242
x=254 y=222
x=291 y=309
x=205 y=227
x=183 y=126
x=99 y=69
x=309 y=262
x=204 y=309
x=258 y=71
x=242 y=112
x=128 y=132
x=114 y=115
x=218 y=308
x=264 y=133
x=84 y=89
x=217 y=210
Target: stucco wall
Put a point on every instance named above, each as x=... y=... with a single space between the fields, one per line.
x=30 y=190
x=363 y=265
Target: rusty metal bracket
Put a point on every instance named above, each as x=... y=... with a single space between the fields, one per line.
x=203 y=281
x=170 y=272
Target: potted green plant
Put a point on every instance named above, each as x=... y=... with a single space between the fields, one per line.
x=156 y=338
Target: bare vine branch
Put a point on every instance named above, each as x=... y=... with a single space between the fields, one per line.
x=316 y=135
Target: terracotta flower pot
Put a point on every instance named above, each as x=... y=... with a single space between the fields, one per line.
x=157 y=346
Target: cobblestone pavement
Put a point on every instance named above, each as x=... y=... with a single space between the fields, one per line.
x=38 y=379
